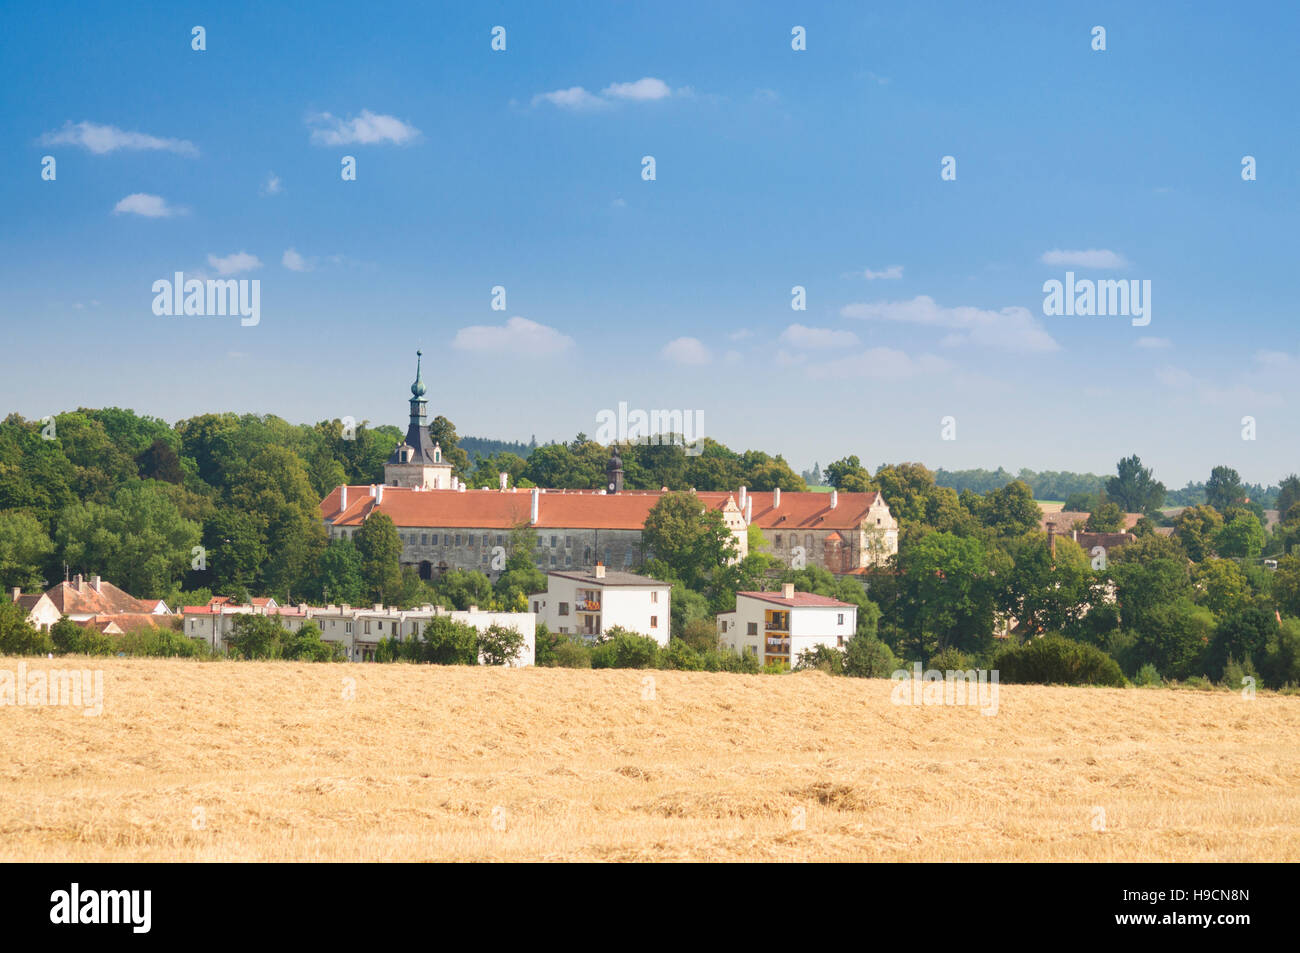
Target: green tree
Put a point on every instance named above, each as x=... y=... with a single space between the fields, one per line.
x=447 y=642
x=1134 y=488
x=17 y=636
x=1106 y=518
x=1242 y=537
x=1224 y=488
x=380 y=549
x=24 y=548
x=339 y=575
x=1197 y=528
x=500 y=645
x=691 y=539
x=849 y=475
x=1288 y=494
x=1221 y=586
x=1011 y=511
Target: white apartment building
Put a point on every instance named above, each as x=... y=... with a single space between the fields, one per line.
x=591 y=602
x=357 y=629
x=777 y=626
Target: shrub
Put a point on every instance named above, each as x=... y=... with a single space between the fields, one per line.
x=162 y=643
x=622 y=649
x=500 y=645
x=951 y=660
x=446 y=642
x=823 y=658
x=544 y=644
x=16 y=636
x=571 y=654
x=1056 y=660
x=680 y=655
x=1148 y=676
x=866 y=657
x=1235 y=673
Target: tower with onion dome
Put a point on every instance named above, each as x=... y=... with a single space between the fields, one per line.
x=417 y=460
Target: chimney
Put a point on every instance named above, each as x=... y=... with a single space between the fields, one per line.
x=455 y=483
x=79 y=582
x=379 y=607
x=372 y=491
x=503 y=479
x=379 y=494
x=835 y=498
x=787 y=590
x=533 y=516
x=343 y=497
x=1051 y=538
x=776 y=498
x=744 y=495
x=14 y=593
x=600 y=570
x=95 y=584
x=749 y=509
x=473 y=608
x=463 y=487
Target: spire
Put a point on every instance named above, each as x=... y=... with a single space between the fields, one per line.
x=418 y=389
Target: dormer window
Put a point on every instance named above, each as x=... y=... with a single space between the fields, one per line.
x=437 y=455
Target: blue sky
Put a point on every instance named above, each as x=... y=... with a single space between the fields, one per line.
x=774 y=168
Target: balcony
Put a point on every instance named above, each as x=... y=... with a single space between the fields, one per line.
x=776 y=626
x=778 y=646
x=588 y=605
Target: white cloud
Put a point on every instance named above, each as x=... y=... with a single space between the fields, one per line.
x=102 y=140
x=618 y=203
x=1010 y=329
x=1153 y=343
x=575 y=97
x=797 y=335
x=150 y=206
x=686 y=351
x=882 y=363
x=893 y=271
x=368 y=129
x=294 y=261
x=234 y=263
x=1092 y=258
x=645 y=89
x=740 y=334
x=516 y=336
x=1277 y=360
x=272 y=186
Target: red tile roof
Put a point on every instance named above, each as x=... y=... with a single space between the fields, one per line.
x=800 y=599
x=572 y=509
x=71 y=600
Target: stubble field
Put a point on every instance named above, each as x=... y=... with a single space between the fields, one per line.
x=274 y=761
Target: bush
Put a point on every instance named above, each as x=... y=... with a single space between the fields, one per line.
x=1056 y=660
x=571 y=654
x=951 y=660
x=162 y=643
x=544 y=644
x=622 y=649
x=823 y=658
x=866 y=657
x=446 y=642
x=16 y=636
x=1147 y=676
x=681 y=656
x=1235 y=673
x=500 y=645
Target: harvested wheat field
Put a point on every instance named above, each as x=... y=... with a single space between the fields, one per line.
x=272 y=761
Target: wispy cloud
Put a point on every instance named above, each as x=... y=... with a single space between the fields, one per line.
x=150 y=206
x=686 y=351
x=517 y=336
x=797 y=335
x=102 y=140
x=1092 y=258
x=235 y=263
x=644 y=90
x=295 y=262
x=890 y=273
x=272 y=186
x=1012 y=329
x=367 y=129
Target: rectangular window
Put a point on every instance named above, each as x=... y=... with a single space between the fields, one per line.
x=367 y=627
x=654 y=622
x=568 y=560
x=553 y=542
x=424 y=539
x=654 y=596
x=753 y=628
x=347 y=627
x=568 y=541
x=564 y=608
x=485 y=539
x=840 y=620
x=458 y=539
x=778 y=539
x=501 y=540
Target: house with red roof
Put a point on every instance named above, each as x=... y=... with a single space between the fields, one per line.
x=777 y=627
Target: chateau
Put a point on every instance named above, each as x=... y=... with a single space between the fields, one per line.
x=445 y=525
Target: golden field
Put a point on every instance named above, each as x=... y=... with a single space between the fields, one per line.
x=271 y=761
